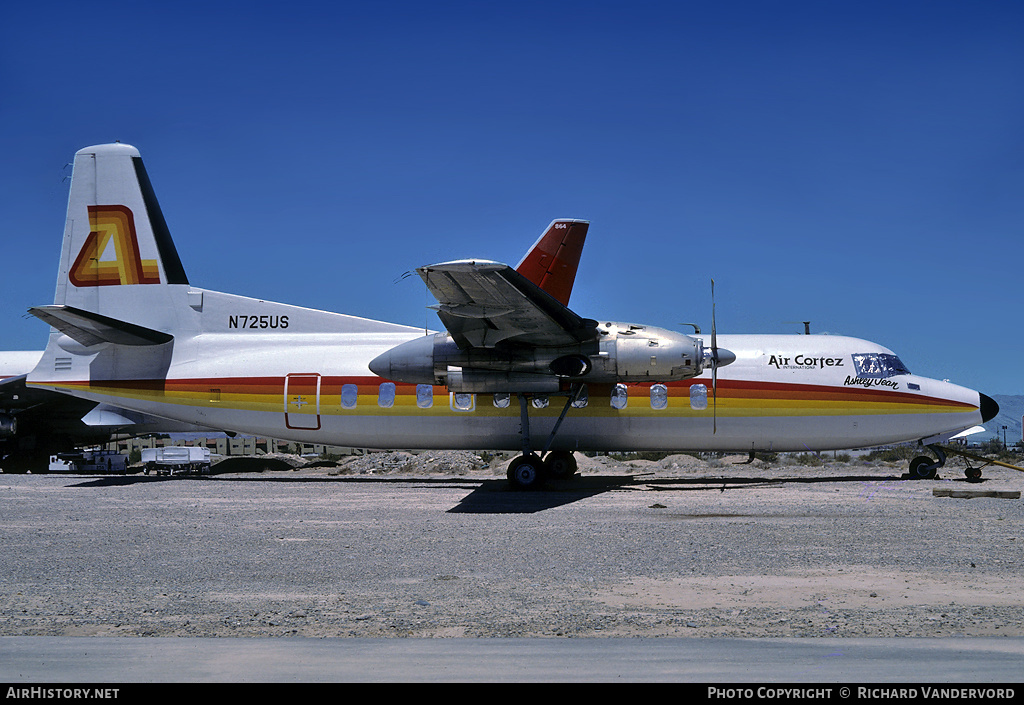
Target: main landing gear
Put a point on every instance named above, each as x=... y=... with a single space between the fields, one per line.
x=529 y=471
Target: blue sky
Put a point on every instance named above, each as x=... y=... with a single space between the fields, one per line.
x=858 y=165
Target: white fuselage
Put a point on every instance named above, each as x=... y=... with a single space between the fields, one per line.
x=261 y=368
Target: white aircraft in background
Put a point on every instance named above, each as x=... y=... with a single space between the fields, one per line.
x=38 y=423
x=131 y=332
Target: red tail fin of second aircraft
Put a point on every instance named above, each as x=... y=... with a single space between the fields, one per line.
x=552 y=261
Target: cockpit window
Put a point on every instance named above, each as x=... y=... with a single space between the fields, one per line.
x=878 y=365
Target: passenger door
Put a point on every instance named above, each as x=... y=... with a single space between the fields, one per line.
x=302 y=401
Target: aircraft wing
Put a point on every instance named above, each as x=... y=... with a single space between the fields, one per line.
x=17 y=397
x=484 y=304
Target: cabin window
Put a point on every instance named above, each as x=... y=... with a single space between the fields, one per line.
x=878 y=365
x=619 y=396
x=349 y=396
x=698 y=397
x=462 y=402
x=582 y=399
x=502 y=400
x=659 y=396
x=386 y=395
x=424 y=396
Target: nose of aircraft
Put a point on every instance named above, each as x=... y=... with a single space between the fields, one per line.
x=989 y=408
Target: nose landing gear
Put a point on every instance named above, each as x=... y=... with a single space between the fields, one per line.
x=924 y=468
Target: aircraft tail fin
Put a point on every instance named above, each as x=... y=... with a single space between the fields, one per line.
x=121 y=282
x=552 y=261
x=115 y=236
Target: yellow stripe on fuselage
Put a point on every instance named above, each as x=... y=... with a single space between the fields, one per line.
x=267 y=395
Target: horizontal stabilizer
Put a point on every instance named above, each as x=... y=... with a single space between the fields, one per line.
x=107 y=415
x=969 y=432
x=950 y=435
x=88 y=328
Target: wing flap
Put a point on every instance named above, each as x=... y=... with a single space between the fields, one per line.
x=484 y=304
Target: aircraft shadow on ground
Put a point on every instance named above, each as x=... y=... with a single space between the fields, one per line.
x=496 y=496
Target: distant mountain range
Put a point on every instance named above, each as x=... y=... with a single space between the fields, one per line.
x=1011 y=408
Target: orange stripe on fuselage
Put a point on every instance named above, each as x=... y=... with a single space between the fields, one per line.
x=740 y=392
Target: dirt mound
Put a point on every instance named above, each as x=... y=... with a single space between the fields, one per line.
x=259 y=463
x=445 y=462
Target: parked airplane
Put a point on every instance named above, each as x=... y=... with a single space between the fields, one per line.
x=37 y=423
x=129 y=330
x=25 y=411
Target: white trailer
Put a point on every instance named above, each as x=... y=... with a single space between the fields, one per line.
x=176 y=460
x=89 y=461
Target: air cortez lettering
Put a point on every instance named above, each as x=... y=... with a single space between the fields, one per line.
x=257 y=322
x=804 y=362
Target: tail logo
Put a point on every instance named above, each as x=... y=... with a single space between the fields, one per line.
x=110 y=255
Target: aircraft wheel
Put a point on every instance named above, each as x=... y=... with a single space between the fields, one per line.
x=973 y=474
x=526 y=472
x=922 y=468
x=560 y=464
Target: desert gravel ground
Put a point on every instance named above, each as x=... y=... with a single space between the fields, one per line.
x=437 y=545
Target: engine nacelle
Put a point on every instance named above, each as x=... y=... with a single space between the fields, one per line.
x=616 y=353
x=436 y=359
x=419 y=361
x=633 y=353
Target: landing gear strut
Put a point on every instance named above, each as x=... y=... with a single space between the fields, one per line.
x=924 y=468
x=529 y=471
x=973 y=473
